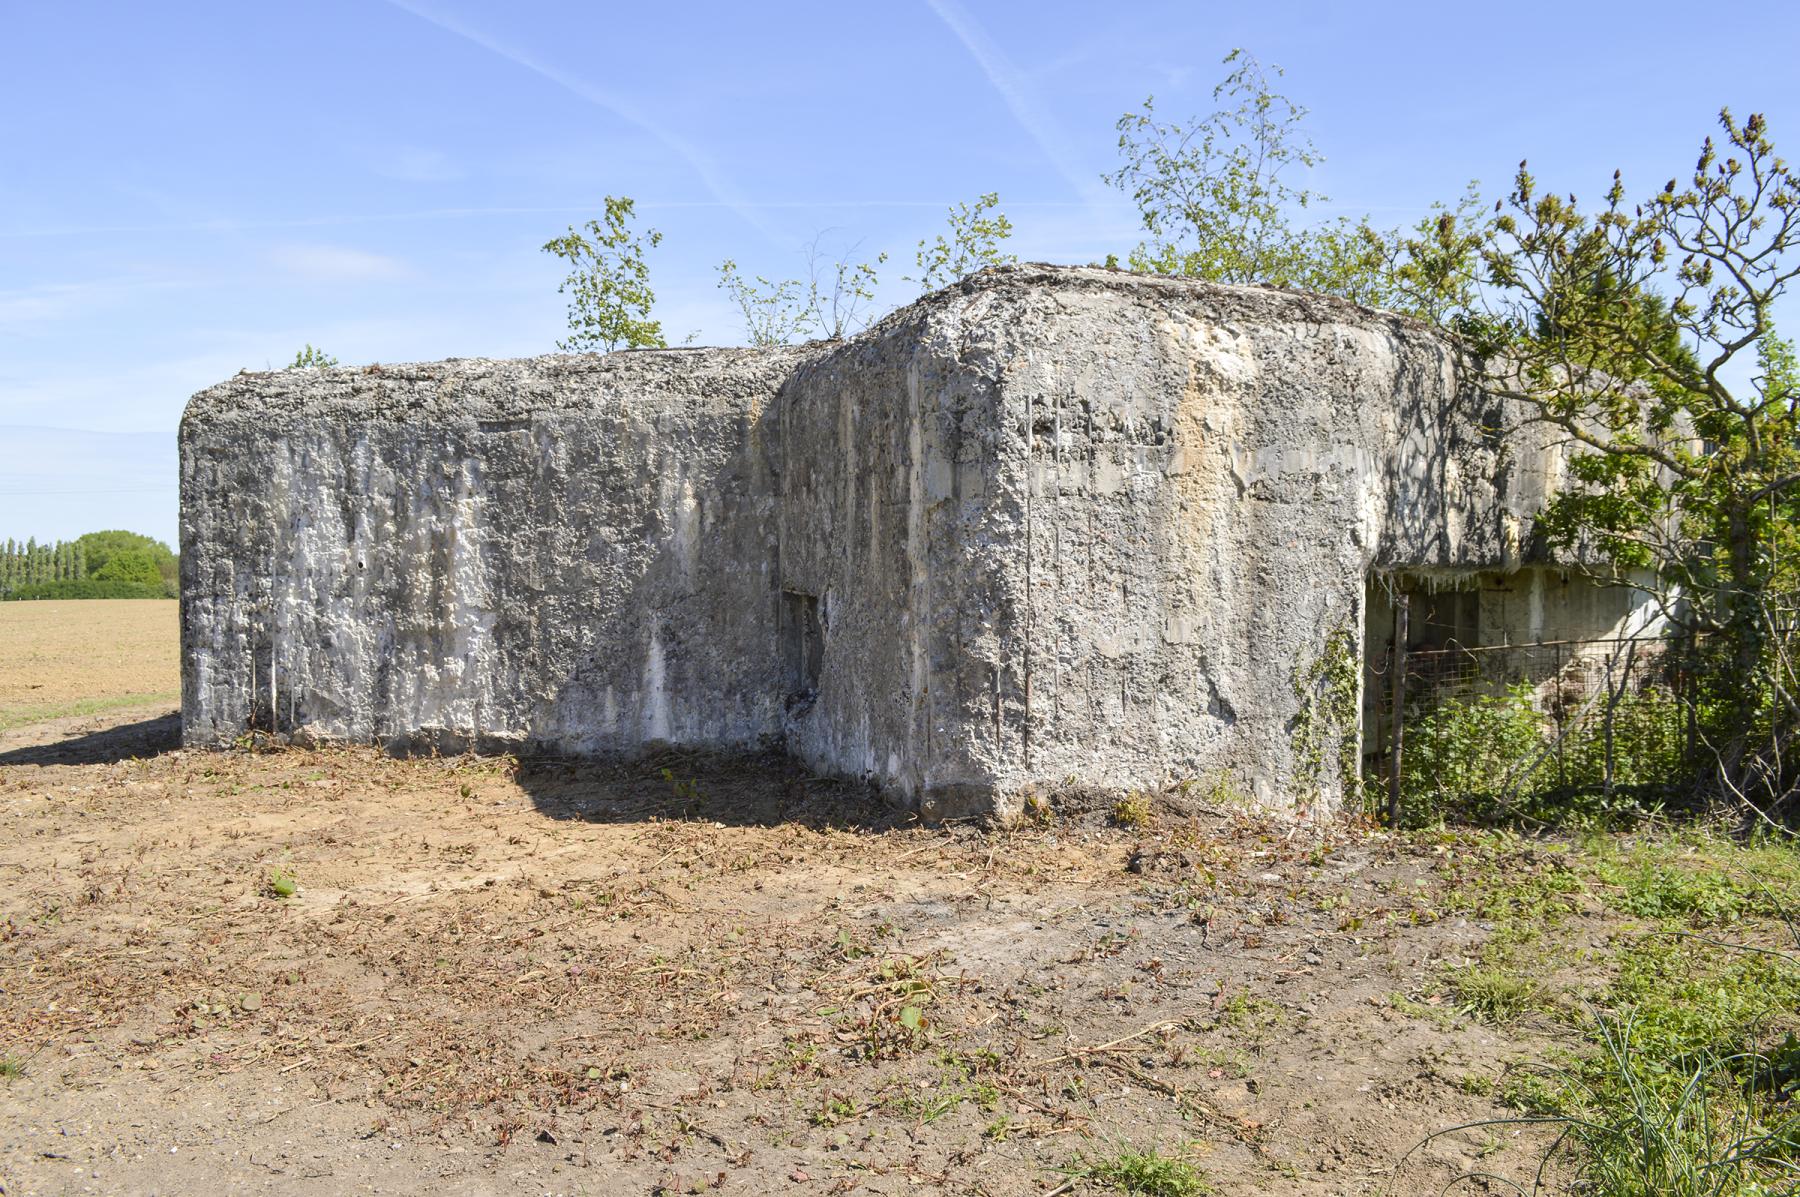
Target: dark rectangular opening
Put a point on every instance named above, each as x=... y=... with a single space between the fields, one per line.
x=803 y=642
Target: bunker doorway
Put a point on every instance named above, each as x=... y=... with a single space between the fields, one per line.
x=1478 y=632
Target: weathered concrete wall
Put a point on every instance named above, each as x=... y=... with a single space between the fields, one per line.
x=1193 y=484
x=572 y=552
x=887 y=469
x=1047 y=526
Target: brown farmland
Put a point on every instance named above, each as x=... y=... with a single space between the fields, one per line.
x=78 y=657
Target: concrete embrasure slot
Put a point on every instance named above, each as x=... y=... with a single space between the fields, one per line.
x=803 y=645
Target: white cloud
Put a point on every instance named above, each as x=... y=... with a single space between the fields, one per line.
x=30 y=308
x=1021 y=97
x=336 y=263
x=39 y=304
x=701 y=163
x=415 y=165
x=136 y=395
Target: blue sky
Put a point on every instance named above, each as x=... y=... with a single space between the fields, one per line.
x=190 y=189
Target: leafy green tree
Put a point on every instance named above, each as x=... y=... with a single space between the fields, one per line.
x=130 y=565
x=1214 y=192
x=1218 y=201
x=774 y=312
x=1437 y=271
x=312 y=359
x=1432 y=271
x=971 y=243
x=608 y=283
x=99 y=548
x=840 y=291
x=1644 y=332
x=58 y=570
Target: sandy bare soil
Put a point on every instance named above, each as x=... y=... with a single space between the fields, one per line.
x=73 y=657
x=328 y=972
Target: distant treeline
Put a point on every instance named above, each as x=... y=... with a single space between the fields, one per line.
x=111 y=564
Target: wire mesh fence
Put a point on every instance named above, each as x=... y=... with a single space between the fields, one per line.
x=1567 y=672
x=1497 y=724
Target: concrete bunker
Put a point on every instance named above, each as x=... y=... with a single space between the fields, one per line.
x=1050 y=527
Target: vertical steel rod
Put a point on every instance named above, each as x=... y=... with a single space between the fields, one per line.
x=1398 y=736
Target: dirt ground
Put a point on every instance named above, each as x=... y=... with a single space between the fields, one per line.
x=78 y=657
x=327 y=971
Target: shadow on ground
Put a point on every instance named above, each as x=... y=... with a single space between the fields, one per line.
x=121 y=742
x=749 y=790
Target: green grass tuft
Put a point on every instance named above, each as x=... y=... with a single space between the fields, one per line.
x=1141 y=1173
x=1496 y=995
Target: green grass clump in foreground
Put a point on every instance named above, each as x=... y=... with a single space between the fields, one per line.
x=11 y=717
x=1140 y=1173
x=1682 y=1074
x=1630 y=1126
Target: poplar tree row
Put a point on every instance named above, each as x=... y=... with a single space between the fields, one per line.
x=28 y=563
x=110 y=564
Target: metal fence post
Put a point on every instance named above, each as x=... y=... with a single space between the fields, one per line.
x=1398 y=736
x=1690 y=691
x=1612 y=705
x=1562 y=771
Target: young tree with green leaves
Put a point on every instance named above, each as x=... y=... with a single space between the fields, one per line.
x=840 y=291
x=312 y=359
x=1219 y=201
x=829 y=304
x=971 y=243
x=1644 y=331
x=774 y=312
x=608 y=284
x=1214 y=193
